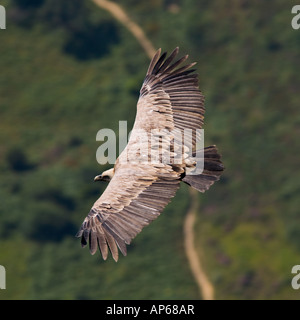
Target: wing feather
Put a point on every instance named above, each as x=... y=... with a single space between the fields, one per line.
x=93 y=242
x=110 y=236
x=154 y=61
x=102 y=242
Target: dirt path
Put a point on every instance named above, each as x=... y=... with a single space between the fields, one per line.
x=205 y=287
x=118 y=13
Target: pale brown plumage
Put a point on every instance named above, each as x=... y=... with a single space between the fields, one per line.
x=138 y=192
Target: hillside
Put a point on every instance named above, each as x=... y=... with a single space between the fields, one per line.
x=69 y=69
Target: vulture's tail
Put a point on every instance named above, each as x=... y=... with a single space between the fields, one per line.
x=212 y=171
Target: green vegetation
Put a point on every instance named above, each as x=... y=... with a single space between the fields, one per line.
x=69 y=69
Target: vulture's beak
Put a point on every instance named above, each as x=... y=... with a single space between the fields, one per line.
x=98 y=178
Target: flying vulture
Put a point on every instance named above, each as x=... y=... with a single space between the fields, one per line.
x=138 y=191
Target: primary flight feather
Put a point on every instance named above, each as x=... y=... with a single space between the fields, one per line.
x=170 y=103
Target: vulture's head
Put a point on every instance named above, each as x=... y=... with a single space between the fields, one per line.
x=106 y=175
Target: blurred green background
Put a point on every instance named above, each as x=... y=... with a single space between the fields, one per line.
x=68 y=69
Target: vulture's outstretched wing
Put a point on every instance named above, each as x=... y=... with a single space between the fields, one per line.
x=129 y=203
x=138 y=192
x=173 y=91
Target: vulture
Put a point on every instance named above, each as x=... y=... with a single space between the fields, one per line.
x=170 y=102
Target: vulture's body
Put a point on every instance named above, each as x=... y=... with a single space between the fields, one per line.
x=138 y=191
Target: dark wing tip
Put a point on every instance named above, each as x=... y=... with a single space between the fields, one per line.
x=154 y=61
x=101 y=239
x=164 y=66
x=79 y=233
